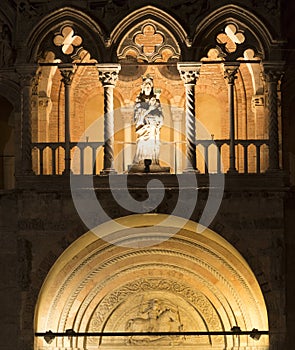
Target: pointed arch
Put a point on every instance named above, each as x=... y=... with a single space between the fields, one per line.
x=155 y=14
x=92 y=33
x=206 y=30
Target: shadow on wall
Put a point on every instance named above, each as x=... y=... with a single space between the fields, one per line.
x=7 y=155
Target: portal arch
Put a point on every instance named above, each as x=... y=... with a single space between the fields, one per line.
x=201 y=279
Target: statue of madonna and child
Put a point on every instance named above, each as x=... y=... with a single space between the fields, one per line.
x=148 y=119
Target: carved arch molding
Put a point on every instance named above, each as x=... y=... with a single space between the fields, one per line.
x=188 y=282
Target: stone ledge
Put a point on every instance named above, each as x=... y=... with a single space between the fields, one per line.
x=232 y=182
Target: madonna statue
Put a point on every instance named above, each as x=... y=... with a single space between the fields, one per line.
x=148 y=119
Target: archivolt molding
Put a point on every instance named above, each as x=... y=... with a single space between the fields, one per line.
x=94 y=276
x=93 y=34
x=130 y=255
x=172 y=284
x=141 y=266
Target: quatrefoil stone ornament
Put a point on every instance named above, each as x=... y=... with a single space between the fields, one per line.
x=67 y=40
x=230 y=38
x=148 y=39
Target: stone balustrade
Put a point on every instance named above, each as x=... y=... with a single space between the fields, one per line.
x=213 y=156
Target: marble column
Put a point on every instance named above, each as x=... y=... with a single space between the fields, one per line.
x=27 y=74
x=189 y=73
x=230 y=73
x=272 y=73
x=67 y=72
x=108 y=75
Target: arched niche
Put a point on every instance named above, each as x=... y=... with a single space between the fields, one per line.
x=191 y=281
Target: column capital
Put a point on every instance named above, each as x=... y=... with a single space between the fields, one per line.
x=189 y=72
x=67 y=71
x=44 y=101
x=27 y=73
x=272 y=71
x=108 y=73
x=231 y=71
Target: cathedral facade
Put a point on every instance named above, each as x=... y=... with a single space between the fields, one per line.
x=147 y=171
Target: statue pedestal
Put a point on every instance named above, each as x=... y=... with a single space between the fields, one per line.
x=152 y=168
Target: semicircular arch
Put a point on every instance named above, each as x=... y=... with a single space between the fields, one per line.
x=201 y=279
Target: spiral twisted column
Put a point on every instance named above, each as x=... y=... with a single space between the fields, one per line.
x=27 y=75
x=230 y=73
x=272 y=74
x=67 y=71
x=108 y=75
x=189 y=73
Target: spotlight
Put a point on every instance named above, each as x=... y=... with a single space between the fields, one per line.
x=147 y=163
x=236 y=329
x=70 y=333
x=255 y=334
x=48 y=337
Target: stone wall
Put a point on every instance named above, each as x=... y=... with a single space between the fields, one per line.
x=45 y=222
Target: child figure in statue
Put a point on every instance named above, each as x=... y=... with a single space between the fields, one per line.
x=148 y=119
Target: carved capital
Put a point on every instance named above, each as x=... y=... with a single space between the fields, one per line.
x=27 y=74
x=272 y=71
x=35 y=83
x=44 y=102
x=108 y=73
x=230 y=72
x=67 y=71
x=189 y=72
